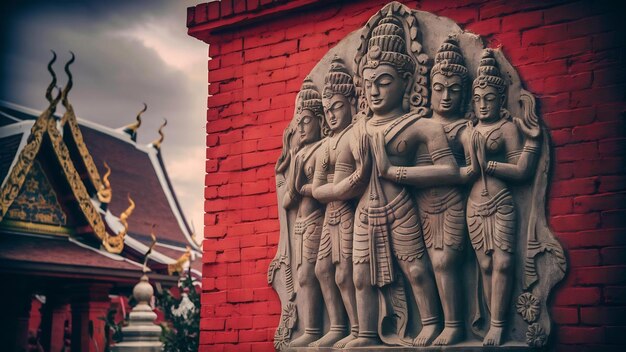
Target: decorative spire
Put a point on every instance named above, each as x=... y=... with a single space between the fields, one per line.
x=125 y=215
x=338 y=80
x=178 y=265
x=309 y=98
x=449 y=59
x=115 y=244
x=131 y=129
x=157 y=142
x=388 y=46
x=489 y=73
x=105 y=192
x=52 y=84
x=69 y=84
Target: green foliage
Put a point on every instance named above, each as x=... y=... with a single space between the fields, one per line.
x=112 y=330
x=180 y=333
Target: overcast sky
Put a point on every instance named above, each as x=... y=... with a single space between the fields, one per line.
x=127 y=52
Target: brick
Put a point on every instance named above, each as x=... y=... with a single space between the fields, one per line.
x=212 y=324
x=577 y=186
x=574 y=296
x=594 y=238
x=598 y=131
x=226 y=336
x=613 y=218
x=570 y=118
x=486 y=27
x=615 y=295
x=597 y=202
x=567 y=48
x=584 y=257
x=238 y=296
x=564 y=13
x=269 y=321
x=239 y=323
x=613 y=255
x=612 y=183
x=520 y=21
x=557 y=84
x=608 y=275
x=252 y=335
x=577 y=222
x=565 y=316
x=544 y=35
x=283 y=48
x=603 y=315
x=580 y=335
x=579 y=151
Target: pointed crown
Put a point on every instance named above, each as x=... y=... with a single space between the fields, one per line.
x=388 y=46
x=309 y=98
x=449 y=59
x=338 y=80
x=489 y=73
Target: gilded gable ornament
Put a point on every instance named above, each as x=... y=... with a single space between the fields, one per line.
x=412 y=196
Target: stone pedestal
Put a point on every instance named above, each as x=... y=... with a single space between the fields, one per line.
x=141 y=334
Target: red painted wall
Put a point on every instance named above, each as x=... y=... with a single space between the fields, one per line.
x=571 y=55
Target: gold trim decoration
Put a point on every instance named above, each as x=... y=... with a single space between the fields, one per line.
x=69 y=120
x=43 y=229
x=76 y=183
x=115 y=244
x=157 y=142
x=105 y=193
x=133 y=127
x=178 y=266
x=37 y=201
x=18 y=173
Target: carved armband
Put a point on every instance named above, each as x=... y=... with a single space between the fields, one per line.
x=532 y=149
x=344 y=167
x=491 y=167
x=514 y=155
x=400 y=174
x=440 y=153
x=355 y=179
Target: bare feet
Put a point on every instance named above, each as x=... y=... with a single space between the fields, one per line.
x=427 y=335
x=342 y=343
x=364 y=342
x=449 y=336
x=493 y=337
x=304 y=340
x=329 y=339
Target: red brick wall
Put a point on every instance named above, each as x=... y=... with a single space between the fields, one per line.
x=571 y=55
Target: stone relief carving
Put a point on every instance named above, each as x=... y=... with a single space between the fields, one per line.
x=411 y=192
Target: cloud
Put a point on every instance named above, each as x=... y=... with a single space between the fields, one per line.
x=127 y=52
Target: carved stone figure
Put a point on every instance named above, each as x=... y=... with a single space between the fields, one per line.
x=307 y=227
x=334 y=163
x=491 y=213
x=442 y=208
x=421 y=216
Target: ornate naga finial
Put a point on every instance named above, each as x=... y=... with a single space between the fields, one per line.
x=178 y=266
x=52 y=84
x=157 y=142
x=133 y=127
x=145 y=256
x=115 y=244
x=105 y=193
x=69 y=84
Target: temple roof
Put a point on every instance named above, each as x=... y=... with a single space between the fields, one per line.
x=137 y=170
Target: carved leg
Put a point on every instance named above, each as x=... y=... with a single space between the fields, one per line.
x=343 y=277
x=310 y=293
x=445 y=264
x=485 y=264
x=503 y=263
x=367 y=308
x=425 y=294
x=325 y=273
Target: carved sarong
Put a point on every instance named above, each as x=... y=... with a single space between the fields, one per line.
x=493 y=223
x=307 y=233
x=393 y=226
x=443 y=218
x=337 y=232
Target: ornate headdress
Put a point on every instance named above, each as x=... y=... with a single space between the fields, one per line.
x=387 y=45
x=309 y=99
x=449 y=60
x=338 y=80
x=489 y=73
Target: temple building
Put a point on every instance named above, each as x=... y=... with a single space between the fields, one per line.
x=81 y=205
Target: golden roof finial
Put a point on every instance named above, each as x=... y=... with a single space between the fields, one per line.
x=105 y=192
x=133 y=127
x=145 y=256
x=70 y=83
x=52 y=84
x=178 y=265
x=157 y=142
x=115 y=244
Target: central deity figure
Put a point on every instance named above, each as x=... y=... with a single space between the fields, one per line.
x=387 y=221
